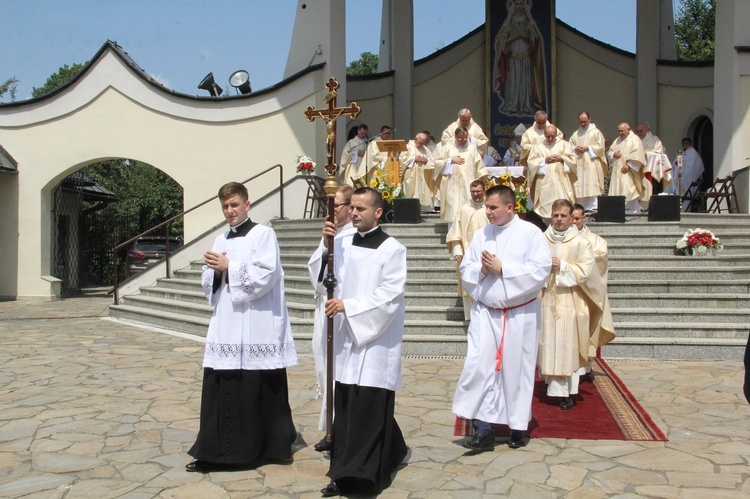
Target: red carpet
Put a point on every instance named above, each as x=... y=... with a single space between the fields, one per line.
x=605 y=410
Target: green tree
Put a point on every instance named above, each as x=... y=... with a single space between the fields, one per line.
x=57 y=80
x=9 y=87
x=367 y=64
x=694 y=29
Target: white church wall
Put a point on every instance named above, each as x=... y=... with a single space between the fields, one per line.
x=8 y=235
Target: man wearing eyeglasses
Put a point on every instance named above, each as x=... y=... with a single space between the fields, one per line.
x=316 y=267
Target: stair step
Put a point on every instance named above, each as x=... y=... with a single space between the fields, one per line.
x=704 y=286
x=679 y=300
x=682 y=315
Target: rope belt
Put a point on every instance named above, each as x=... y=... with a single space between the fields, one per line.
x=499 y=355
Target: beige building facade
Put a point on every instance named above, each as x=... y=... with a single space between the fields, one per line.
x=113 y=110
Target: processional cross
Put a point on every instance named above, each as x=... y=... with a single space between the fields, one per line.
x=330 y=115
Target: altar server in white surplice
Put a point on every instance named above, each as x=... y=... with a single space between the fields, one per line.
x=245 y=415
x=591 y=162
x=353 y=165
x=507 y=264
x=317 y=268
x=368 y=313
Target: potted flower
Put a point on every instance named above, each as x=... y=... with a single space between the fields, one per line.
x=389 y=192
x=305 y=165
x=698 y=242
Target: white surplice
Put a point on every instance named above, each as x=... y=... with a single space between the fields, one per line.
x=250 y=326
x=503 y=397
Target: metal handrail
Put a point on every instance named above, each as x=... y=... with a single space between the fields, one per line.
x=166 y=223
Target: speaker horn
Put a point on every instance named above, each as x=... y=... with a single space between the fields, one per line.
x=241 y=81
x=208 y=84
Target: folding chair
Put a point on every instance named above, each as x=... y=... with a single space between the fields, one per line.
x=316 y=200
x=695 y=197
x=723 y=190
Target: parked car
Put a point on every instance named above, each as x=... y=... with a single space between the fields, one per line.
x=148 y=250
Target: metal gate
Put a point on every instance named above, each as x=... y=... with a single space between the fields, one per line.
x=67 y=221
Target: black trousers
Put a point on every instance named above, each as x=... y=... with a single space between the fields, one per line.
x=367 y=442
x=245 y=417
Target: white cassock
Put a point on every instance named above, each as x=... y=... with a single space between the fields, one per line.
x=352 y=162
x=453 y=179
x=250 y=326
x=371 y=272
x=504 y=396
x=692 y=169
x=319 y=347
x=476 y=134
x=418 y=177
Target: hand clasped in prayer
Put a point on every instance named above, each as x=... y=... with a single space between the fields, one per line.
x=216 y=261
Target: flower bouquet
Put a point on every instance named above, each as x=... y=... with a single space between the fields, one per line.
x=305 y=164
x=698 y=242
x=520 y=189
x=377 y=182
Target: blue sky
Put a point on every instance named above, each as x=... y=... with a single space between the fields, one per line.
x=179 y=41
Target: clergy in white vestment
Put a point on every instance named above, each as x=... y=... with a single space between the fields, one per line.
x=507 y=264
x=316 y=267
x=352 y=157
x=513 y=153
x=245 y=415
x=692 y=169
x=605 y=333
x=469 y=219
x=374 y=155
x=628 y=160
x=552 y=172
x=651 y=145
x=368 y=311
x=534 y=135
x=591 y=162
x=567 y=310
x=476 y=134
x=492 y=157
x=418 y=165
x=457 y=164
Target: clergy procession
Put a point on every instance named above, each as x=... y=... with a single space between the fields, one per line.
x=535 y=300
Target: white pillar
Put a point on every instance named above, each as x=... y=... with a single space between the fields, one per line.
x=646 y=55
x=397 y=54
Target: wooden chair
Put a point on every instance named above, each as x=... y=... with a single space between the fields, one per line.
x=723 y=191
x=316 y=201
x=695 y=197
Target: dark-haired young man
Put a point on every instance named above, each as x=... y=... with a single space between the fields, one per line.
x=245 y=415
x=507 y=264
x=368 y=310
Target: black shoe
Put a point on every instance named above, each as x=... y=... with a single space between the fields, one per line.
x=323 y=445
x=480 y=442
x=199 y=467
x=567 y=404
x=516 y=439
x=330 y=490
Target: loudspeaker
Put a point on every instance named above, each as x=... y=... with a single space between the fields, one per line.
x=611 y=209
x=209 y=85
x=406 y=211
x=664 y=208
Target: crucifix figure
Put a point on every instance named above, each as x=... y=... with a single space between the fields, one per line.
x=330 y=115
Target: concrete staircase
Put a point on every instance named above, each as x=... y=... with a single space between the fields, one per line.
x=665 y=306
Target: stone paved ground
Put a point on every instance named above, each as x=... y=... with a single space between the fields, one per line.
x=96 y=409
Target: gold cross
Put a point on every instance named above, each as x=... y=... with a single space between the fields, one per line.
x=330 y=115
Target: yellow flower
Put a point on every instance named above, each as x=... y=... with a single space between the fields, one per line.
x=373 y=183
x=505 y=177
x=386 y=195
x=518 y=205
x=378 y=173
